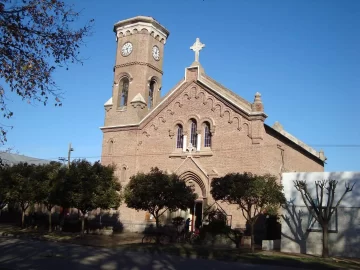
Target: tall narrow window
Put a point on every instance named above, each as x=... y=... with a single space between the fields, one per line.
x=193 y=134
x=179 y=138
x=123 y=174
x=111 y=146
x=151 y=94
x=123 y=93
x=207 y=135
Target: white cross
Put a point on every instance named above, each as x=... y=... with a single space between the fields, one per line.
x=190 y=148
x=196 y=47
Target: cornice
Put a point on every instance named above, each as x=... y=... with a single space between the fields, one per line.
x=141 y=64
x=138 y=24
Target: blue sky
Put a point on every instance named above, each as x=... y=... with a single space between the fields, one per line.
x=302 y=56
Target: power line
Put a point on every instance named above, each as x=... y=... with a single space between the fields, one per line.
x=214 y=150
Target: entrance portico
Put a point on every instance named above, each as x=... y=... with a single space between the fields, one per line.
x=195 y=212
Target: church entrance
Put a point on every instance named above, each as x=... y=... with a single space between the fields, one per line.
x=195 y=211
x=196 y=215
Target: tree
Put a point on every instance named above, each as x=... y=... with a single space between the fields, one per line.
x=50 y=176
x=322 y=213
x=89 y=186
x=254 y=194
x=157 y=192
x=3 y=189
x=22 y=185
x=36 y=37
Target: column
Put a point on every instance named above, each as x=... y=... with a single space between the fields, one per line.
x=198 y=142
x=184 y=143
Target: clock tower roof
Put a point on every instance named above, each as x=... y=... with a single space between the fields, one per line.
x=143 y=22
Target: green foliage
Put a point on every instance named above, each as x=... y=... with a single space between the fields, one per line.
x=254 y=194
x=87 y=187
x=157 y=192
x=3 y=189
x=216 y=222
x=84 y=186
x=21 y=183
x=178 y=221
x=217 y=225
x=36 y=37
x=48 y=176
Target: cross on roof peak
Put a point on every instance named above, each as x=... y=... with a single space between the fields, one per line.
x=196 y=47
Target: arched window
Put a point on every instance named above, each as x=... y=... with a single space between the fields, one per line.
x=123 y=174
x=207 y=135
x=179 y=137
x=123 y=93
x=193 y=133
x=111 y=146
x=151 y=94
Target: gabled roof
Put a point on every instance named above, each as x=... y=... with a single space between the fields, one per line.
x=234 y=99
x=138 y=98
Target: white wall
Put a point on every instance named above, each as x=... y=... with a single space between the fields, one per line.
x=295 y=236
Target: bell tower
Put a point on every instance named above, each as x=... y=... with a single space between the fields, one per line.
x=138 y=70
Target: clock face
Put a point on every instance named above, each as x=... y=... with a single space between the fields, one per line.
x=126 y=49
x=156 y=53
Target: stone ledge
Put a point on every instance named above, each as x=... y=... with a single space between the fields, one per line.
x=194 y=155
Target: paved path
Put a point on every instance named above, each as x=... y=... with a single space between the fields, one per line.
x=27 y=254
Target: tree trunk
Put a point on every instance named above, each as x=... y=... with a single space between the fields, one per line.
x=325 y=251
x=22 y=218
x=82 y=225
x=157 y=229
x=50 y=225
x=252 y=237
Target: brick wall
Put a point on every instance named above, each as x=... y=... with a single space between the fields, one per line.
x=233 y=150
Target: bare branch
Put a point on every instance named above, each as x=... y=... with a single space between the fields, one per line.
x=347 y=189
x=301 y=186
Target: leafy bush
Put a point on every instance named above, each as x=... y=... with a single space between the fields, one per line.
x=217 y=226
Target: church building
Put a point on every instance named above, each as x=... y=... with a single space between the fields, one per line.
x=199 y=130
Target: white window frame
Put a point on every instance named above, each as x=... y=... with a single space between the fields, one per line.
x=314 y=225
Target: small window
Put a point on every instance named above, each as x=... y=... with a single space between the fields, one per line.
x=123 y=93
x=151 y=94
x=193 y=133
x=179 y=138
x=314 y=225
x=207 y=135
x=123 y=174
x=111 y=146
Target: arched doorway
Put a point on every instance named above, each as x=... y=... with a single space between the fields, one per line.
x=195 y=212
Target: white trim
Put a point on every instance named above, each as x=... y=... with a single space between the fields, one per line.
x=198 y=142
x=141 y=25
x=184 y=142
x=197 y=165
x=109 y=102
x=117 y=126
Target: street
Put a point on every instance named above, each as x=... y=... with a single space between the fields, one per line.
x=31 y=255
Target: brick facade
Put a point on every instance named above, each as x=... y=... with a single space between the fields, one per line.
x=137 y=138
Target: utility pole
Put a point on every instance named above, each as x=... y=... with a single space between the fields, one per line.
x=69 y=153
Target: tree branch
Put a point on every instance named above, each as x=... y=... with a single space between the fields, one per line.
x=347 y=189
